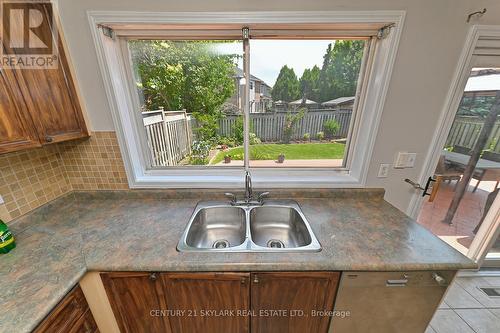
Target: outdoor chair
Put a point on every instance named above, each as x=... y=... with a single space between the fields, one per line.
x=488 y=174
x=444 y=172
x=478 y=174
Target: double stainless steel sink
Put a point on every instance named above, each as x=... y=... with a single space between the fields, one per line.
x=274 y=226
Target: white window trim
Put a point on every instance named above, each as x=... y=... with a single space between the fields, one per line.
x=121 y=102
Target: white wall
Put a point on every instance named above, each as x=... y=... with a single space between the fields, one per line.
x=430 y=45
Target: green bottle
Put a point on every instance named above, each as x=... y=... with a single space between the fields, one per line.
x=7 y=241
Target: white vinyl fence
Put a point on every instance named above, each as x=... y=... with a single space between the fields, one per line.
x=465 y=131
x=269 y=126
x=168 y=135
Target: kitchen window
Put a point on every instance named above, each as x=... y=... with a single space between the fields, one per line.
x=201 y=103
x=192 y=101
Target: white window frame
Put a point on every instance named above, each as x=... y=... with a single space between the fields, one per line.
x=121 y=101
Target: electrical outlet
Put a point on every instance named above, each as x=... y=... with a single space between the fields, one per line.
x=383 y=171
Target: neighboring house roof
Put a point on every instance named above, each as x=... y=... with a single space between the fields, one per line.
x=340 y=100
x=483 y=83
x=239 y=73
x=299 y=102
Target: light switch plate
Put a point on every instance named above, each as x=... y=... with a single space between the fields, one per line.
x=383 y=171
x=410 y=161
x=401 y=160
x=405 y=160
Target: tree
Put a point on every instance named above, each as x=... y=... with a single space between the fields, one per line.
x=187 y=75
x=474 y=105
x=286 y=87
x=291 y=121
x=160 y=81
x=340 y=71
x=309 y=83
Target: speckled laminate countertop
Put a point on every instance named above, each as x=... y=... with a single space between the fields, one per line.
x=139 y=231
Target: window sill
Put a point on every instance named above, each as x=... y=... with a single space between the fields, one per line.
x=261 y=178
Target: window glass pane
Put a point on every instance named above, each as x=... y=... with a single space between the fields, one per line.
x=185 y=90
x=301 y=101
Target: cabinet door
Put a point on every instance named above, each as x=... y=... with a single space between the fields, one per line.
x=86 y=324
x=50 y=94
x=208 y=302
x=67 y=315
x=294 y=296
x=16 y=128
x=135 y=299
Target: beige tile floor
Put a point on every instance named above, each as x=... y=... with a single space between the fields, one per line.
x=466 y=309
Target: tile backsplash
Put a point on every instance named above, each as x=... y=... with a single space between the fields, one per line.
x=94 y=164
x=31 y=178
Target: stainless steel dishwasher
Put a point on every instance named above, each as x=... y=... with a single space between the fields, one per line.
x=385 y=302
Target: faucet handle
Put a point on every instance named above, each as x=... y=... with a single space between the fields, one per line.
x=262 y=196
x=231 y=196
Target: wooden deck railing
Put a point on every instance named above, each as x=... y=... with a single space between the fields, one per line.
x=169 y=136
x=465 y=131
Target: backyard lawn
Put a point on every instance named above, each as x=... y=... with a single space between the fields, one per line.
x=298 y=151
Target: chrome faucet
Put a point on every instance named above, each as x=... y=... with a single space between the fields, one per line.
x=248 y=187
x=249 y=199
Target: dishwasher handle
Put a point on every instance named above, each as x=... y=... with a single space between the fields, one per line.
x=439 y=279
x=396 y=283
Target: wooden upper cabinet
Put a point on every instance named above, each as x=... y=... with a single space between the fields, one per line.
x=45 y=98
x=293 y=292
x=51 y=94
x=16 y=128
x=135 y=299
x=208 y=302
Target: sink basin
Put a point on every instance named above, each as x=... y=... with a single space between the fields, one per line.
x=217 y=227
x=278 y=227
x=275 y=226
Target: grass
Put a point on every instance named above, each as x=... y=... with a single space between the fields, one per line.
x=293 y=151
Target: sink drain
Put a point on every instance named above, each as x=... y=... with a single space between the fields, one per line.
x=220 y=244
x=275 y=243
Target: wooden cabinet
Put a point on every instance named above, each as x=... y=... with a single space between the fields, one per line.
x=221 y=302
x=39 y=106
x=136 y=299
x=72 y=315
x=208 y=302
x=16 y=128
x=286 y=301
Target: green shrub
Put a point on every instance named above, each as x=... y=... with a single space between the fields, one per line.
x=254 y=139
x=331 y=128
x=199 y=152
x=207 y=127
x=230 y=142
x=306 y=137
x=238 y=130
x=320 y=135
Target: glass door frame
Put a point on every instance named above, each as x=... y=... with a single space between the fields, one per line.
x=489 y=230
x=486 y=237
